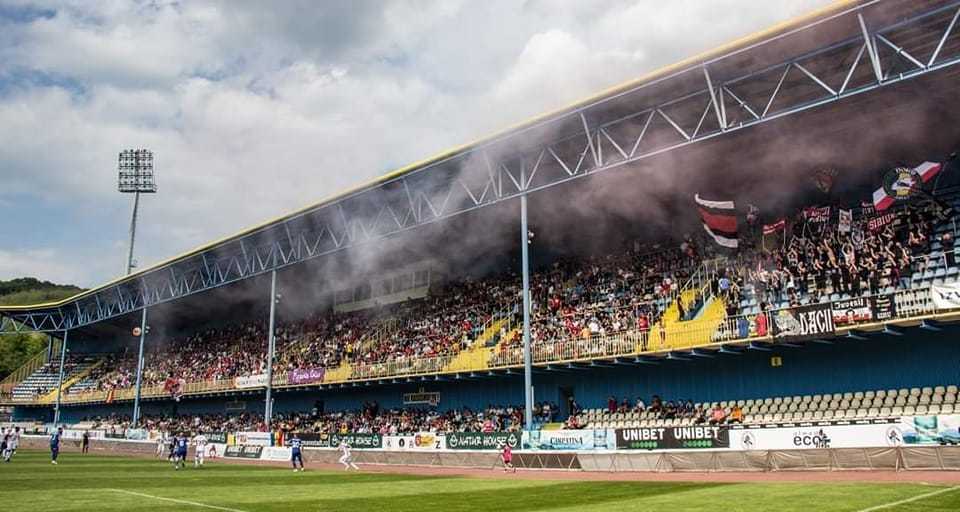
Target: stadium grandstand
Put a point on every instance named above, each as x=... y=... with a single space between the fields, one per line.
x=759 y=237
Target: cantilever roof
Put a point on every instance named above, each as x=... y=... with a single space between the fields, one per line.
x=742 y=45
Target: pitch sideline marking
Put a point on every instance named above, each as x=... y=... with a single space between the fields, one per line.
x=910 y=500
x=182 y=502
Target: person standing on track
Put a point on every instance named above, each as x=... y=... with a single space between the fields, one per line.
x=506 y=456
x=347 y=459
x=85 y=442
x=295 y=454
x=55 y=445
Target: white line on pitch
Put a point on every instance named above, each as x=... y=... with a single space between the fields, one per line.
x=182 y=502
x=909 y=500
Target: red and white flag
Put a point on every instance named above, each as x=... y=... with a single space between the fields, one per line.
x=904 y=184
x=719 y=220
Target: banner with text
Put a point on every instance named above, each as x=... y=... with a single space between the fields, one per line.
x=482 y=440
x=870 y=435
x=305 y=376
x=598 y=439
x=672 y=438
x=243 y=452
x=804 y=322
x=356 y=440
x=254 y=438
x=421 y=442
x=251 y=381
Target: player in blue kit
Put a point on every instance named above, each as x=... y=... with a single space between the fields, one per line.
x=180 y=453
x=55 y=445
x=295 y=454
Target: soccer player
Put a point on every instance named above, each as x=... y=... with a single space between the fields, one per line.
x=295 y=454
x=200 y=446
x=180 y=455
x=346 y=459
x=14 y=441
x=4 y=446
x=171 y=447
x=506 y=455
x=161 y=443
x=55 y=445
x=85 y=442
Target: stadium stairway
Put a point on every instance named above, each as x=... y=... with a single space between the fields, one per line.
x=74 y=378
x=23 y=373
x=477 y=357
x=677 y=333
x=339 y=374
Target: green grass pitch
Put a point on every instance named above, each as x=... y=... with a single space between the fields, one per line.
x=104 y=483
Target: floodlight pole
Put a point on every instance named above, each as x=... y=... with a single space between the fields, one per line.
x=271 y=347
x=136 y=396
x=527 y=362
x=133 y=231
x=63 y=357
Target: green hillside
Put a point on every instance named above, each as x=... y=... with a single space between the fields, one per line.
x=28 y=290
x=15 y=350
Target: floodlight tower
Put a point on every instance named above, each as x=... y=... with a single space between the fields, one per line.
x=136 y=177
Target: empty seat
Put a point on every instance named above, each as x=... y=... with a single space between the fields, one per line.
x=952 y=389
x=869 y=394
x=847 y=396
x=939 y=390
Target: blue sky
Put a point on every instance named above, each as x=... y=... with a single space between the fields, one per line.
x=256 y=108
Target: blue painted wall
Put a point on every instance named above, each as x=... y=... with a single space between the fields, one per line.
x=919 y=358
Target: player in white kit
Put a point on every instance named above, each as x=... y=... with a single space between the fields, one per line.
x=200 y=446
x=161 y=444
x=346 y=459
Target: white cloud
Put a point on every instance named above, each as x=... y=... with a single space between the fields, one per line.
x=255 y=109
x=44 y=263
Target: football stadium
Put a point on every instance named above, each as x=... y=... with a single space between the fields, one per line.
x=730 y=283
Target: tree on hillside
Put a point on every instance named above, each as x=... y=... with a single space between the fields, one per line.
x=17 y=349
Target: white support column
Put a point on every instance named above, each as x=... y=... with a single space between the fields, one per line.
x=136 y=396
x=271 y=347
x=527 y=360
x=63 y=357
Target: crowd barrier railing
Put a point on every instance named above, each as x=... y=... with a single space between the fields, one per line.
x=874 y=311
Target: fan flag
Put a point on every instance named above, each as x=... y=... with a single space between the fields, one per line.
x=927 y=170
x=719 y=220
x=769 y=229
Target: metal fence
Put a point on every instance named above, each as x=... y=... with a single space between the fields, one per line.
x=685 y=335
